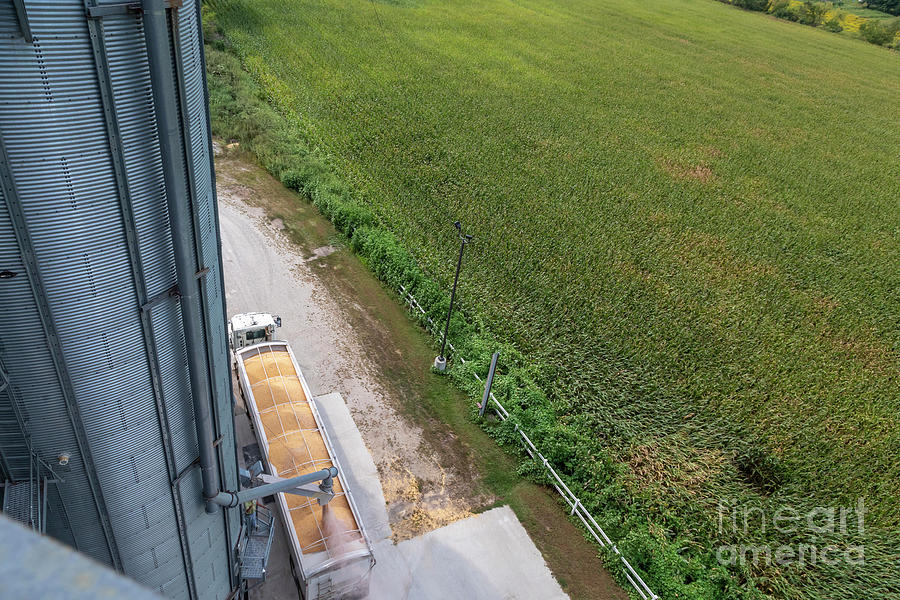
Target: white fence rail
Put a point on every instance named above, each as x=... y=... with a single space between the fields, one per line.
x=577 y=508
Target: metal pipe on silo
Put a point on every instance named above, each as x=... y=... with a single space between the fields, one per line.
x=156 y=32
x=326 y=476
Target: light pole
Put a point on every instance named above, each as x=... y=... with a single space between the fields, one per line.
x=440 y=363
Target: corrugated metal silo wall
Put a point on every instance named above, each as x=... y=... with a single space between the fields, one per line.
x=92 y=339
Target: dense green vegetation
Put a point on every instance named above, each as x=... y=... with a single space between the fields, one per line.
x=888 y=6
x=686 y=223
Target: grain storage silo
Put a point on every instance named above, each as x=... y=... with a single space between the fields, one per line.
x=115 y=390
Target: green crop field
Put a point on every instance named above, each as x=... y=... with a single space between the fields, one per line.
x=686 y=217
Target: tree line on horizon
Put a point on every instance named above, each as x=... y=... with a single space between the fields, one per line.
x=829 y=16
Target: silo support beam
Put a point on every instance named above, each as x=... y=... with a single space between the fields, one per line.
x=156 y=33
x=117 y=156
x=24 y=24
x=227 y=456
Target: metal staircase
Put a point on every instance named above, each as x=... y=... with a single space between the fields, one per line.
x=25 y=475
x=25 y=500
x=21 y=502
x=255 y=546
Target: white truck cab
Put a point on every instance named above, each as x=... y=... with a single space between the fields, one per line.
x=251 y=328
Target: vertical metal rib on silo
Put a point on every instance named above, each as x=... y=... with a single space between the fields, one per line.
x=212 y=563
x=59 y=525
x=197 y=144
x=104 y=77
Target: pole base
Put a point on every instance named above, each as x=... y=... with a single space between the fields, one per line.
x=440 y=363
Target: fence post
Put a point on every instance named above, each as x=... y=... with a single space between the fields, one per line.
x=487 y=384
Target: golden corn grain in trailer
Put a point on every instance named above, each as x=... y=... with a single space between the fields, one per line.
x=332 y=553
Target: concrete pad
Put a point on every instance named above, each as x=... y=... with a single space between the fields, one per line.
x=485 y=557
